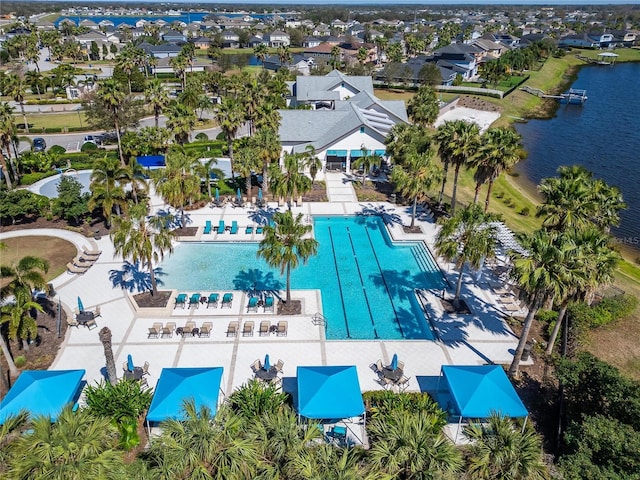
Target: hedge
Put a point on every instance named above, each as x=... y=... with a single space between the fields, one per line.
x=603 y=313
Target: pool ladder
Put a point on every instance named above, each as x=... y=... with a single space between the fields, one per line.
x=318 y=319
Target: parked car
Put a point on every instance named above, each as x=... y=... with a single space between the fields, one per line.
x=95 y=139
x=39 y=145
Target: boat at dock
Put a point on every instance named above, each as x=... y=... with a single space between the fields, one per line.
x=573 y=97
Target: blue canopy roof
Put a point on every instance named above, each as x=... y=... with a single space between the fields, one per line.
x=480 y=390
x=176 y=385
x=329 y=392
x=41 y=392
x=151 y=160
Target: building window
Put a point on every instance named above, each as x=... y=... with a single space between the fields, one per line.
x=361 y=129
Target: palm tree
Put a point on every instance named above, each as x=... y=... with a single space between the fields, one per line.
x=16 y=89
x=335 y=54
x=412 y=446
x=289 y=183
x=180 y=120
x=266 y=143
x=127 y=63
x=230 y=118
x=247 y=162
x=463 y=145
x=466 y=237
x=7 y=133
x=326 y=462
x=261 y=51
x=203 y=446
x=415 y=177
x=500 y=449
x=285 y=245
x=18 y=314
x=105 y=339
x=206 y=170
x=178 y=183
x=423 y=108
x=78 y=445
x=180 y=64
x=107 y=187
x=499 y=150
x=111 y=95
x=284 y=55
x=10 y=430
x=366 y=161
x=156 y=97
x=540 y=274
x=141 y=239
x=311 y=161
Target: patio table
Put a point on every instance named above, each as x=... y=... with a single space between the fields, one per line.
x=137 y=374
x=84 y=317
x=267 y=375
x=393 y=375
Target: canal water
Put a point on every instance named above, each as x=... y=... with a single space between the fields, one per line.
x=603 y=135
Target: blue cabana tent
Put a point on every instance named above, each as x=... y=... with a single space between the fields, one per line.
x=41 y=392
x=478 y=391
x=329 y=392
x=178 y=384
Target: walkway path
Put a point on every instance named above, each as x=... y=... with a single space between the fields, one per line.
x=340 y=188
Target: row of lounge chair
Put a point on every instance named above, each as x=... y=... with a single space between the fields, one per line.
x=196 y=299
x=158 y=330
x=256 y=302
x=81 y=263
x=508 y=301
x=233 y=229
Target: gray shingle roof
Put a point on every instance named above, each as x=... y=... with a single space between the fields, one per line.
x=318 y=88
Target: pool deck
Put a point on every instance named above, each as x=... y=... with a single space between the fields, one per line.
x=475 y=339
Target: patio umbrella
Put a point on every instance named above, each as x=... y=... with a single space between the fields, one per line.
x=239 y=195
x=394 y=362
x=217 y=194
x=260 y=194
x=80 y=305
x=267 y=365
x=130 y=365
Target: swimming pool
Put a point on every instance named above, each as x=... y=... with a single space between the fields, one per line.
x=367 y=281
x=49 y=186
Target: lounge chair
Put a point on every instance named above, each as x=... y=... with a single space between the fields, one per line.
x=96 y=312
x=403 y=383
x=155 y=330
x=232 y=329
x=207 y=227
x=268 y=304
x=205 y=330
x=234 y=228
x=283 y=326
x=279 y=366
x=401 y=365
x=220 y=227
x=91 y=253
x=145 y=368
x=252 y=306
x=265 y=326
x=75 y=269
x=181 y=300
x=255 y=366
x=194 y=300
x=227 y=300
x=168 y=329
x=248 y=230
x=247 y=329
x=188 y=328
x=212 y=301
x=91 y=324
x=125 y=366
x=72 y=322
x=86 y=262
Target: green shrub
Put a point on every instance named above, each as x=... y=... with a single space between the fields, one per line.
x=619 y=306
x=499 y=194
x=20 y=361
x=88 y=147
x=524 y=211
x=605 y=312
x=548 y=317
x=124 y=400
x=221 y=136
x=57 y=150
x=31 y=178
x=202 y=137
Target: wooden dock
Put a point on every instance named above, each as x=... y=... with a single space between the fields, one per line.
x=573 y=97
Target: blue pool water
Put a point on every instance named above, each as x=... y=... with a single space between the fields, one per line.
x=367 y=282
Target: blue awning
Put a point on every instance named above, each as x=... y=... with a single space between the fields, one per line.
x=332 y=153
x=337 y=153
x=480 y=390
x=41 y=392
x=359 y=153
x=176 y=385
x=329 y=392
x=382 y=153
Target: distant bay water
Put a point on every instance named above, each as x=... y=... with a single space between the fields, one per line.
x=603 y=136
x=183 y=17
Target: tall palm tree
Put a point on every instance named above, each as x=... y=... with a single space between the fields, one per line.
x=107 y=187
x=156 y=97
x=540 y=274
x=180 y=120
x=78 y=445
x=335 y=55
x=284 y=55
x=247 y=162
x=253 y=95
x=178 y=184
x=7 y=133
x=311 y=161
x=367 y=160
x=266 y=143
x=127 y=63
x=230 y=118
x=17 y=90
x=463 y=145
x=412 y=446
x=105 y=339
x=286 y=244
x=415 y=177
x=500 y=449
x=260 y=51
x=206 y=170
x=326 y=462
x=423 y=107
x=141 y=239
x=499 y=150
x=289 y=183
x=111 y=95
x=18 y=314
x=466 y=237
x=179 y=64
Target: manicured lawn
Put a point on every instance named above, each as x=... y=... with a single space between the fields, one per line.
x=54 y=250
x=53 y=120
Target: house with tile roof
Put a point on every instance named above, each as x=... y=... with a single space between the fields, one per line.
x=345 y=117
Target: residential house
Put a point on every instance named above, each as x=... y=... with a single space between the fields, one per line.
x=321 y=30
x=409 y=72
x=353 y=119
x=45 y=26
x=278 y=39
x=299 y=64
x=324 y=51
x=202 y=43
x=174 y=37
x=339 y=25
x=163 y=65
x=310 y=42
x=165 y=50
x=489 y=47
x=254 y=41
x=230 y=39
x=460 y=57
x=90 y=24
